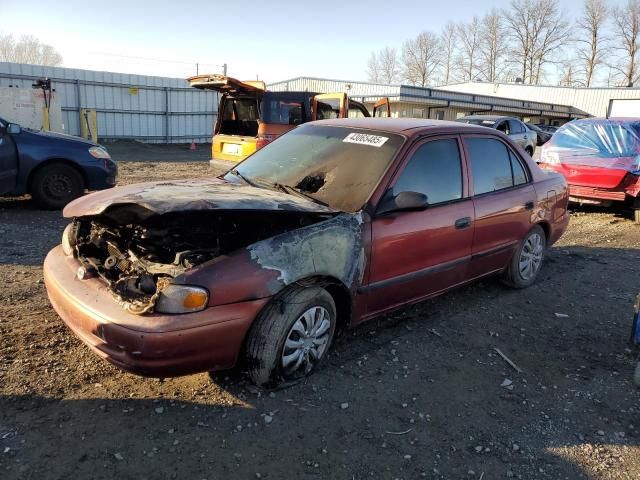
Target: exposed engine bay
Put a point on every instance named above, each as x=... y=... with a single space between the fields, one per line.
x=138 y=259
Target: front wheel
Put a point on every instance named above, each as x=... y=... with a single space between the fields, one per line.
x=55 y=185
x=527 y=261
x=291 y=336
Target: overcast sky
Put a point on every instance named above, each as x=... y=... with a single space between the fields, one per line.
x=275 y=40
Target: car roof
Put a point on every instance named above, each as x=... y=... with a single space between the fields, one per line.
x=406 y=126
x=487 y=117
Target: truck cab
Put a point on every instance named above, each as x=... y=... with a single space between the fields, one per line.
x=250 y=116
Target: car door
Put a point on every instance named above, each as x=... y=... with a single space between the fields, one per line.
x=329 y=105
x=415 y=254
x=503 y=199
x=8 y=160
x=518 y=132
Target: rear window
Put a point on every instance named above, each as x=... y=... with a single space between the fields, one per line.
x=240 y=109
x=484 y=122
x=283 y=109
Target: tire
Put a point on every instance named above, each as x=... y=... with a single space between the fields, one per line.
x=283 y=321
x=55 y=185
x=531 y=248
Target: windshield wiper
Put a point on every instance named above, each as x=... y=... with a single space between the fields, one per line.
x=239 y=175
x=291 y=190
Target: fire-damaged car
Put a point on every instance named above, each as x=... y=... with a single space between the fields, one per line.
x=332 y=224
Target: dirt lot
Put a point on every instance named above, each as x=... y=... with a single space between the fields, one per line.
x=416 y=394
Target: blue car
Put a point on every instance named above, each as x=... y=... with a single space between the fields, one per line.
x=54 y=168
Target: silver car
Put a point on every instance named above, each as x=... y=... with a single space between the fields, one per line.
x=510 y=126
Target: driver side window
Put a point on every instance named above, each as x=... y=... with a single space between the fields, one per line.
x=434 y=169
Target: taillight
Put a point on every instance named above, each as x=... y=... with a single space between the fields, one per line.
x=262 y=140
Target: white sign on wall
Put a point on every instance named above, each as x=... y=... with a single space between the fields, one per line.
x=24 y=106
x=624 y=108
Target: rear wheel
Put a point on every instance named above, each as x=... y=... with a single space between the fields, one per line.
x=527 y=261
x=55 y=185
x=291 y=337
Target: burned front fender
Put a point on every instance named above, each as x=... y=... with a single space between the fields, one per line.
x=333 y=248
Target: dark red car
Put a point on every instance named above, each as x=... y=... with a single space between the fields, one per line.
x=332 y=224
x=600 y=159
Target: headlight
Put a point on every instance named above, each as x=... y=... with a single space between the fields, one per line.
x=99 y=152
x=69 y=239
x=176 y=298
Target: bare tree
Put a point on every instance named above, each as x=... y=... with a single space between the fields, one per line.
x=538 y=31
x=389 y=65
x=591 y=41
x=469 y=37
x=626 y=22
x=492 y=45
x=373 y=68
x=421 y=59
x=554 y=33
x=28 y=49
x=448 y=43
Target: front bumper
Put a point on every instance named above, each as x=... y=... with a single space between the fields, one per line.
x=101 y=178
x=154 y=345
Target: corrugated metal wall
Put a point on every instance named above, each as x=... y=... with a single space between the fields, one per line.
x=150 y=109
x=594 y=101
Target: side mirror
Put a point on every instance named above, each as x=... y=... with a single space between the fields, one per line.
x=402 y=202
x=14 y=128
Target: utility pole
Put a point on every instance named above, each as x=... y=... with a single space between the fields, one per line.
x=224 y=69
x=197 y=68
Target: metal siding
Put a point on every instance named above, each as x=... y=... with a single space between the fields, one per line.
x=120 y=114
x=594 y=101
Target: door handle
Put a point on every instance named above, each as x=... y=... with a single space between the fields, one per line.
x=463 y=223
x=528 y=206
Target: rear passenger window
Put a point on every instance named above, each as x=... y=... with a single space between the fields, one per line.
x=493 y=166
x=515 y=127
x=519 y=175
x=434 y=169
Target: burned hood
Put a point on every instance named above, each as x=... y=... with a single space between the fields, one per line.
x=157 y=198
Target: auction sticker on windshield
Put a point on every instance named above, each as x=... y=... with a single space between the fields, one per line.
x=365 y=139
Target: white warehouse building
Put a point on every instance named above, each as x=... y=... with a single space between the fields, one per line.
x=535 y=104
x=594 y=101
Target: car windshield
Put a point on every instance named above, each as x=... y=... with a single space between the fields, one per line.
x=338 y=166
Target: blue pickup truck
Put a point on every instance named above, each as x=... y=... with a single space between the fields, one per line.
x=52 y=167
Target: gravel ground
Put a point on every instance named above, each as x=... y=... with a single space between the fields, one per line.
x=420 y=393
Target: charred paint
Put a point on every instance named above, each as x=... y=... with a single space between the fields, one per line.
x=189 y=195
x=332 y=248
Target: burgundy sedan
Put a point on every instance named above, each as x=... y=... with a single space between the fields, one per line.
x=330 y=225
